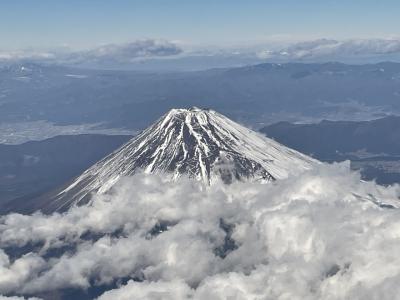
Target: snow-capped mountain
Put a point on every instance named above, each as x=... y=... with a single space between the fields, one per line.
x=201 y=144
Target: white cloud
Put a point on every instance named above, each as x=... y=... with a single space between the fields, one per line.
x=315 y=236
x=171 y=290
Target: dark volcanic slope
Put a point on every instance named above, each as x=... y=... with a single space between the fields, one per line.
x=372 y=146
x=38 y=166
x=261 y=93
x=332 y=139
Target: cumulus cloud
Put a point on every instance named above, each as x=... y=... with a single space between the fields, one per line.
x=322 y=235
x=171 y=290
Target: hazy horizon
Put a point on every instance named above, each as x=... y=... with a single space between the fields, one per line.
x=107 y=34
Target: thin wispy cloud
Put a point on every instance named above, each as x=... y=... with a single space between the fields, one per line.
x=106 y=54
x=126 y=53
x=333 y=49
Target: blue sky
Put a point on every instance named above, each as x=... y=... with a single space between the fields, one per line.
x=87 y=23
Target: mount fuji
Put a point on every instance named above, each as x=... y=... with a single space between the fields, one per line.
x=197 y=143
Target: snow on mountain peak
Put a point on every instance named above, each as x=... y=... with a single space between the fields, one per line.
x=198 y=143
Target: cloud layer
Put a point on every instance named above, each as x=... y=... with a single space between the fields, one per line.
x=107 y=54
x=333 y=49
x=127 y=53
x=321 y=235
x=133 y=54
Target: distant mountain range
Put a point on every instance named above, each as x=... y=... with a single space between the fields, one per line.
x=253 y=95
x=372 y=146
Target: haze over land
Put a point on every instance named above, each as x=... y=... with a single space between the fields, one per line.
x=96 y=100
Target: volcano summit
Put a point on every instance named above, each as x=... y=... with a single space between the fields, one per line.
x=200 y=144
